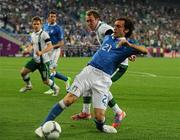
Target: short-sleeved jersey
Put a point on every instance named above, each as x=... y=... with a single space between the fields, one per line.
x=108 y=57
x=55 y=32
x=101 y=30
x=44 y=39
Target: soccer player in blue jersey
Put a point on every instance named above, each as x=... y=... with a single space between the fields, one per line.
x=57 y=38
x=102 y=29
x=96 y=76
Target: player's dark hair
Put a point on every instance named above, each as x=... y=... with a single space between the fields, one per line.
x=52 y=12
x=36 y=18
x=128 y=24
x=93 y=12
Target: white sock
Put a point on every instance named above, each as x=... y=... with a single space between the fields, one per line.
x=86 y=108
x=61 y=103
x=116 y=109
x=27 y=82
x=50 y=83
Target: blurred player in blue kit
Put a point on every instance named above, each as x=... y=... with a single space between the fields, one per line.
x=57 y=38
x=95 y=78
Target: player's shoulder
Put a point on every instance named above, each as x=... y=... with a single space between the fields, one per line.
x=108 y=37
x=57 y=26
x=106 y=26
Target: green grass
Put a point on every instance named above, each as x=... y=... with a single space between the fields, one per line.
x=149 y=92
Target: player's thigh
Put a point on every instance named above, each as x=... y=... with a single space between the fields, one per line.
x=54 y=58
x=81 y=83
x=44 y=71
x=100 y=91
x=100 y=100
x=30 y=66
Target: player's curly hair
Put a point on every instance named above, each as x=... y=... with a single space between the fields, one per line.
x=128 y=24
x=93 y=12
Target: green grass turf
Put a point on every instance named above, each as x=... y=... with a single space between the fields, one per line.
x=149 y=93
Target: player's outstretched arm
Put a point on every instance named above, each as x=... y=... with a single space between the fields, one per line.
x=142 y=49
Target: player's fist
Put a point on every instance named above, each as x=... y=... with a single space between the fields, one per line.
x=25 y=52
x=132 y=58
x=38 y=53
x=122 y=41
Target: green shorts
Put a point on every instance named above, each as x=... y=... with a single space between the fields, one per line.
x=42 y=67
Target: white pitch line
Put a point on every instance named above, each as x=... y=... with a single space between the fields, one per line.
x=143 y=73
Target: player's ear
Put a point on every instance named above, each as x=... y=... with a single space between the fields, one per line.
x=126 y=31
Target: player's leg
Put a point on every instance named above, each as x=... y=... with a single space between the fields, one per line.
x=121 y=70
x=29 y=67
x=119 y=113
x=55 y=57
x=100 y=104
x=66 y=79
x=75 y=92
x=85 y=113
x=44 y=71
x=56 y=110
x=100 y=91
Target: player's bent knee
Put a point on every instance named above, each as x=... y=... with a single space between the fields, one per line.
x=69 y=99
x=46 y=82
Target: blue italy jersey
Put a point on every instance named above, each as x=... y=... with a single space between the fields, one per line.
x=110 y=55
x=55 y=32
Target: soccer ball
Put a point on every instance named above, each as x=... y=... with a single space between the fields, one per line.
x=51 y=130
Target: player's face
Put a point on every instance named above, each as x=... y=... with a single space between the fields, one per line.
x=119 y=29
x=92 y=22
x=36 y=25
x=52 y=18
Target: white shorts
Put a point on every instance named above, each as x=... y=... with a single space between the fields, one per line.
x=92 y=81
x=54 y=58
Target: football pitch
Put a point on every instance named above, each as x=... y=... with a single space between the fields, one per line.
x=149 y=92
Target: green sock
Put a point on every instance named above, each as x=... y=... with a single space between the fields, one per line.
x=111 y=103
x=87 y=100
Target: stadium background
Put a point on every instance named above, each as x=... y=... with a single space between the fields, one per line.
x=148 y=92
x=156 y=23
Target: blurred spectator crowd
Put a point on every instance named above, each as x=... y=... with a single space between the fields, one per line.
x=157 y=23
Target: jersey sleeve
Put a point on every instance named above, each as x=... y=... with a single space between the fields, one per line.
x=60 y=34
x=106 y=29
x=46 y=37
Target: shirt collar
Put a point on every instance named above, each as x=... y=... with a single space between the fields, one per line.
x=37 y=33
x=99 y=23
x=52 y=24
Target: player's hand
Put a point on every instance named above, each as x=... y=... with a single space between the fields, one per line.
x=25 y=51
x=122 y=42
x=38 y=53
x=132 y=58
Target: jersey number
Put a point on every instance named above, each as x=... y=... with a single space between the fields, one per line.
x=106 y=47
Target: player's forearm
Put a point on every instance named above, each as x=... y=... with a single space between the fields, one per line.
x=47 y=49
x=139 y=48
x=28 y=49
x=59 y=44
